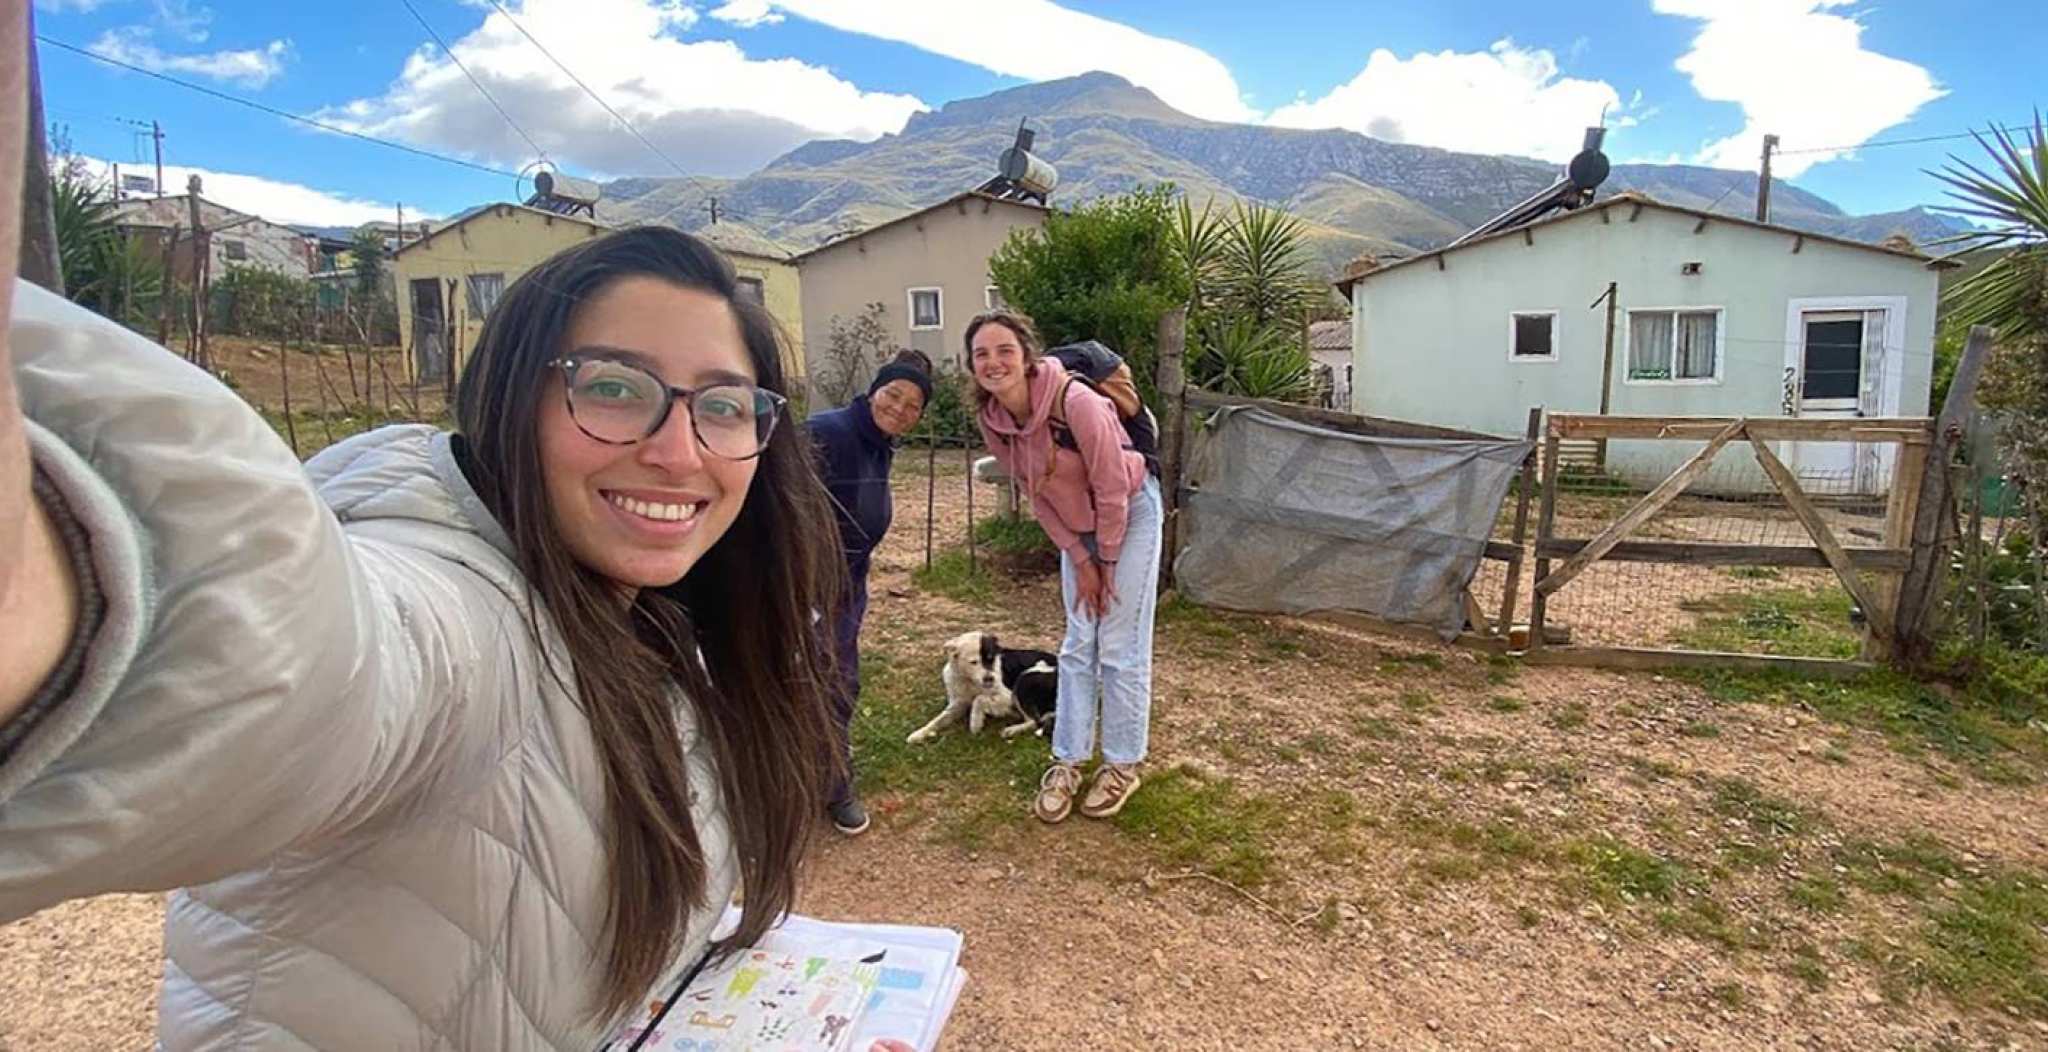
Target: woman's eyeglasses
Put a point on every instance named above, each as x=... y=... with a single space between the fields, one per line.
x=620 y=403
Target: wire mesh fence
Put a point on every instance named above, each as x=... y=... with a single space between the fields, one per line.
x=1717 y=605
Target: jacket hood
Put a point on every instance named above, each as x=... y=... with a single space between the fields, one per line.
x=1045 y=385
x=405 y=472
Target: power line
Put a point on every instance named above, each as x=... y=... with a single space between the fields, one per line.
x=275 y=112
x=2009 y=129
x=475 y=83
x=587 y=90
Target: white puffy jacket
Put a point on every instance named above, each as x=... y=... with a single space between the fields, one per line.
x=314 y=706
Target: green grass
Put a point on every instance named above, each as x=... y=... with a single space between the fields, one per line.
x=1993 y=722
x=316 y=432
x=1700 y=729
x=1503 y=703
x=1818 y=894
x=1570 y=717
x=1988 y=946
x=1789 y=621
x=952 y=575
x=1615 y=871
x=1203 y=825
x=1013 y=535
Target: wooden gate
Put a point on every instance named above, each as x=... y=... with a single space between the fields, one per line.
x=1869 y=574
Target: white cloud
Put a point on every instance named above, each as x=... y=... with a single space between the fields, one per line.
x=1506 y=99
x=747 y=14
x=1040 y=40
x=63 y=6
x=250 y=67
x=277 y=201
x=705 y=103
x=1798 y=72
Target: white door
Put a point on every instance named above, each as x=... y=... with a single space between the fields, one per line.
x=1840 y=363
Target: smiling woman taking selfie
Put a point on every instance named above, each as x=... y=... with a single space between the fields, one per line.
x=450 y=740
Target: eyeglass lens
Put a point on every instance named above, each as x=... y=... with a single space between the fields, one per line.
x=618 y=402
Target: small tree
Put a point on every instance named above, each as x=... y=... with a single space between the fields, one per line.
x=366 y=255
x=1251 y=295
x=853 y=351
x=1105 y=271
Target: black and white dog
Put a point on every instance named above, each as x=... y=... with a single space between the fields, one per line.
x=984 y=681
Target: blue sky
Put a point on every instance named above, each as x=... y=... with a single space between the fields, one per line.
x=722 y=86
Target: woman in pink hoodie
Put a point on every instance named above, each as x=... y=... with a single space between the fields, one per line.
x=1065 y=446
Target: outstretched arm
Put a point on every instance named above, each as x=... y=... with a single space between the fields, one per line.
x=38 y=595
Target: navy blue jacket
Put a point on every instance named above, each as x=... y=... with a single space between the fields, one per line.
x=854 y=457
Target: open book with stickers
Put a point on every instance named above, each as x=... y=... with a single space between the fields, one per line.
x=809 y=986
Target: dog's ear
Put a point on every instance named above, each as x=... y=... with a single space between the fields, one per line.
x=991 y=649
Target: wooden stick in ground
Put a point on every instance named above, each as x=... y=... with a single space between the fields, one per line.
x=1525 y=486
x=1665 y=493
x=284 y=372
x=1919 y=591
x=1172 y=383
x=1879 y=619
x=967 y=462
x=931 y=493
x=168 y=291
x=1545 y=520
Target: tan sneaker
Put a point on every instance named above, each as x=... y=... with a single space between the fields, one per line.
x=1114 y=784
x=1056 y=792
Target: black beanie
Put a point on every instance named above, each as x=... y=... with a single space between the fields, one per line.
x=903 y=368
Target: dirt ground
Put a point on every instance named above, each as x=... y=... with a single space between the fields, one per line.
x=1375 y=921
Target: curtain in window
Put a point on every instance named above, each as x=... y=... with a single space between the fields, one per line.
x=1649 y=346
x=1871 y=398
x=484 y=290
x=1696 y=340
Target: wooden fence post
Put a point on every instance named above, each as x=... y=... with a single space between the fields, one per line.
x=1172 y=381
x=1545 y=522
x=1919 y=586
x=1525 y=486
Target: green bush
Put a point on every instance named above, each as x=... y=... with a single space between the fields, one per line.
x=1013 y=535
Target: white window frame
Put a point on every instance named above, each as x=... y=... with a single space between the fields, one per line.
x=479 y=311
x=910 y=307
x=1556 y=331
x=1627 y=336
x=989 y=295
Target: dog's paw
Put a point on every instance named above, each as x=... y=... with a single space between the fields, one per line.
x=917 y=738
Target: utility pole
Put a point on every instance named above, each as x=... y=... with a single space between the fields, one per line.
x=202 y=252
x=714 y=211
x=156 y=135
x=1763 y=182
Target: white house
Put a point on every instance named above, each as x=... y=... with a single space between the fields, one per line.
x=1715 y=316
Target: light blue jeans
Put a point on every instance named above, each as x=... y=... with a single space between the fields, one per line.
x=1111 y=656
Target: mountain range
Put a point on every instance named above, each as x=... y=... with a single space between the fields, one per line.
x=1356 y=194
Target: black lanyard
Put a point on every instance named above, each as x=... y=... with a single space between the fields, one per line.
x=648 y=1030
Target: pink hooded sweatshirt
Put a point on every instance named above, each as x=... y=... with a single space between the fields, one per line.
x=1071 y=493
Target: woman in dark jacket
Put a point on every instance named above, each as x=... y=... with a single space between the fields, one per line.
x=856 y=447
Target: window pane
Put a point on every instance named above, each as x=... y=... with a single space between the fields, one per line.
x=1534 y=335
x=1834 y=359
x=484 y=290
x=993 y=298
x=1649 y=345
x=924 y=308
x=1696 y=337
x=753 y=291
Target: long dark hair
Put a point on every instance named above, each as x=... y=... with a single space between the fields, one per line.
x=746 y=607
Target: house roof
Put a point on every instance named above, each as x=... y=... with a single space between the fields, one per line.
x=498 y=209
x=907 y=216
x=1363 y=270
x=732 y=241
x=1330 y=335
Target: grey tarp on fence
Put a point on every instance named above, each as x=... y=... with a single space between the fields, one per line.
x=1288 y=518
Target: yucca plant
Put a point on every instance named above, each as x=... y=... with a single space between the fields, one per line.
x=1265 y=271
x=1238 y=355
x=2011 y=206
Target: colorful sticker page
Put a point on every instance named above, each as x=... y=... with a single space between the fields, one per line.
x=919 y=976
x=768 y=1000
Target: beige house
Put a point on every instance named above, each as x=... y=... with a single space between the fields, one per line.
x=928 y=270
x=450 y=279
x=233 y=239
